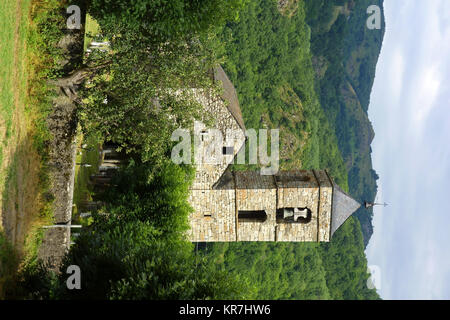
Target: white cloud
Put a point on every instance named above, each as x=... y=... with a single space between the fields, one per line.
x=397 y=67
x=426 y=90
x=409 y=110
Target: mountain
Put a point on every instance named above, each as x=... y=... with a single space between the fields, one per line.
x=345 y=54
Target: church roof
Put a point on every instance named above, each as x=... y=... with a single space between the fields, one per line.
x=343 y=207
x=230 y=95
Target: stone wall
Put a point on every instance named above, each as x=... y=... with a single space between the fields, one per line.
x=209 y=168
x=213 y=218
x=255 y=200
x=325 y=202
x=62 y=124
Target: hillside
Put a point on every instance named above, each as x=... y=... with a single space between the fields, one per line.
x=270 y=62
x=345 y=53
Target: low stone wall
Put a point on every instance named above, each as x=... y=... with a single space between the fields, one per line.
x=62 y=124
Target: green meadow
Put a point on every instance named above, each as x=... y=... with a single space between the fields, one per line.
x=27 y=55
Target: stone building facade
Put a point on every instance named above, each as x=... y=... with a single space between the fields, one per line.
x=296 y=206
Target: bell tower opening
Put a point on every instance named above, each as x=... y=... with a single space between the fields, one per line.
x=252 y=215
x=294 y=215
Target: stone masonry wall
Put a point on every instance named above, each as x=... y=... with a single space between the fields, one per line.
x=214 y=216
x=298 y=198
x=325 y=202
x=257 y=199
x=233 y=136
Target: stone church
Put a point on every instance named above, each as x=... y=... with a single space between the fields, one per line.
x=297 y=206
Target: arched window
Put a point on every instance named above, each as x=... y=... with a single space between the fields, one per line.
x=252 y=216
x=294 y=215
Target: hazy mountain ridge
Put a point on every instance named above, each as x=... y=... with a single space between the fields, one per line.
x=345 y=54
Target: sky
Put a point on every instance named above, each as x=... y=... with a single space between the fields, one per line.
x=410 y=113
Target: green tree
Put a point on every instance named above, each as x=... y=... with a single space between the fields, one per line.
x=134 y=260
x=136 y=93
x=140 y=195
x=138 y=249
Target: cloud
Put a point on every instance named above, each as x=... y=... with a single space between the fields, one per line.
x=427 y=89
x=411 y=117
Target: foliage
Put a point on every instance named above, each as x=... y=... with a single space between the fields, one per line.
x=346 y=264
x=141 y=196
x=307 y=271
x=34 y=282
x=268 y=60
x=163 y=20
x=9 y=262
x=279 y=270
x=158 y=50
x=134 y=260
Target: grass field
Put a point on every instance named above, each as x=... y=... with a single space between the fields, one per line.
x=26 y=58
x=17 y=159
x=13 y=132
x=12 y=70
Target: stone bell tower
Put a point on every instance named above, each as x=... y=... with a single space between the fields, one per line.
x=297 y=206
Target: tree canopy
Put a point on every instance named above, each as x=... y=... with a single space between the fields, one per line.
x=158 y=49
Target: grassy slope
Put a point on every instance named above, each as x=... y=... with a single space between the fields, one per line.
x=27 y=53
x=12 y=77
x=13 y=82
x=15 y=125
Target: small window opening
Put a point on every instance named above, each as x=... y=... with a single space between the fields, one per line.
x=203 y=134
x=228 y=150
x=294 y=215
